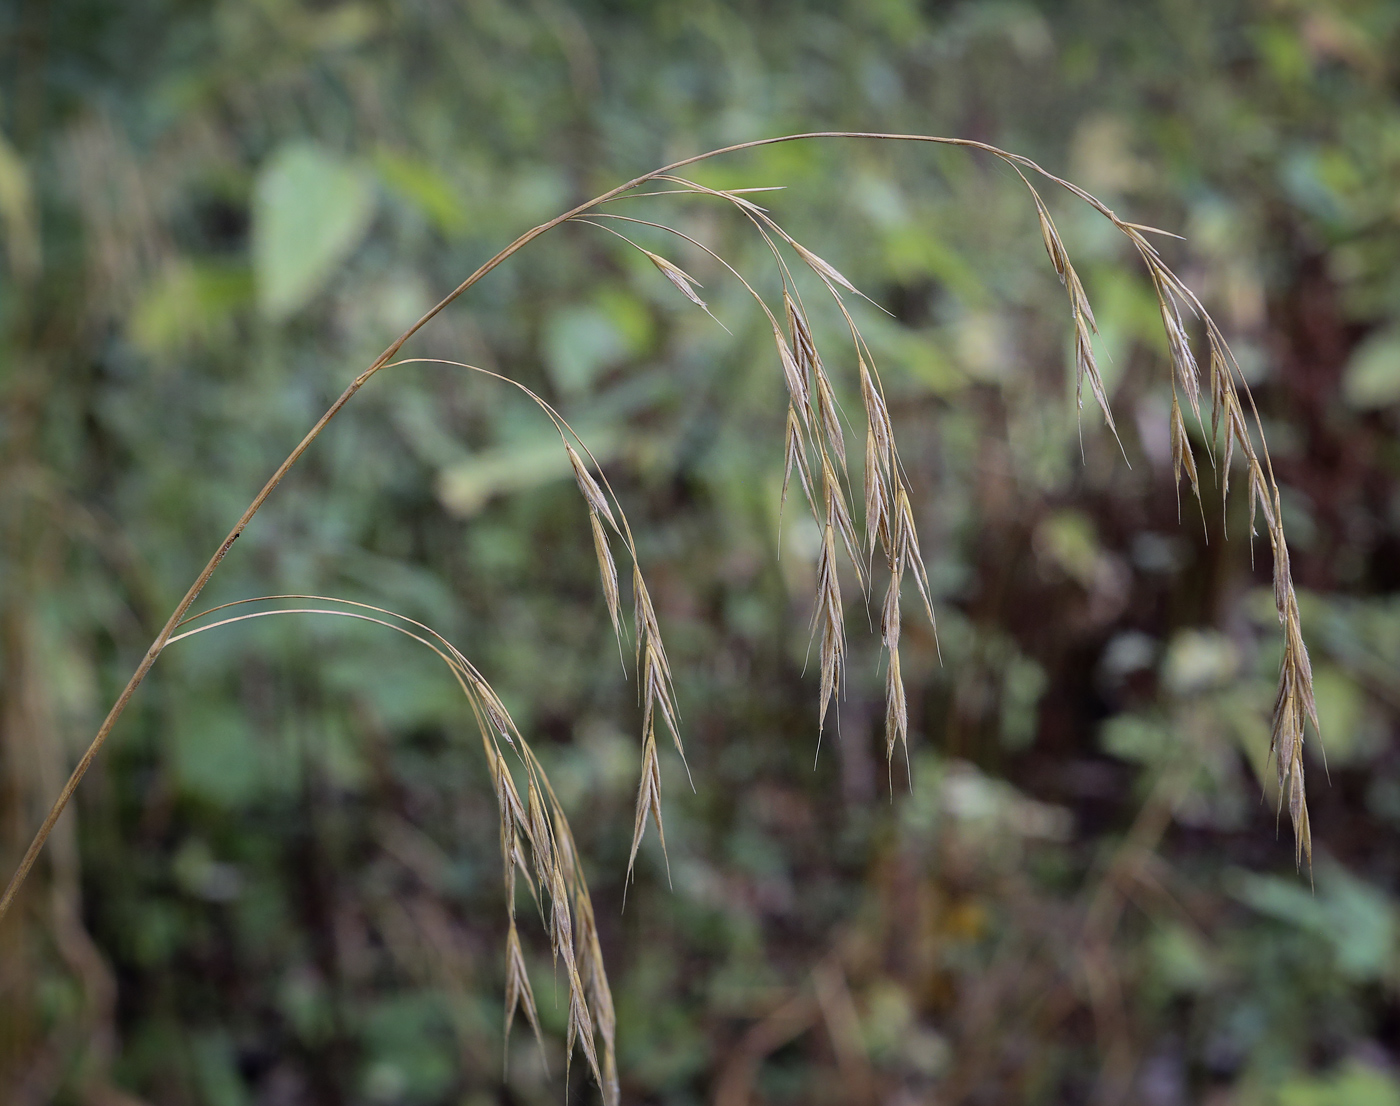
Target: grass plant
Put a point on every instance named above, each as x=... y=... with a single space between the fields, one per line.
x=536 y=841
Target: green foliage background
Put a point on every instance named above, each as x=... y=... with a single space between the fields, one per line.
x=281 y=882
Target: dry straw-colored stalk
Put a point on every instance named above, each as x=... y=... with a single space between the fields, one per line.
x=537 y=845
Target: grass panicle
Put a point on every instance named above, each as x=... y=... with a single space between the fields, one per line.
x=537 y=846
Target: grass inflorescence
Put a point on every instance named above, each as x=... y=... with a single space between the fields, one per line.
x=536 y=842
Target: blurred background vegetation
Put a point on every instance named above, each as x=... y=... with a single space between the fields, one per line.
x=281 y=883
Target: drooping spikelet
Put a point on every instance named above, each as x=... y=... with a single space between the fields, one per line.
x=829 y=620
x=607 y=570
x=1182 y=457
x=519 y=994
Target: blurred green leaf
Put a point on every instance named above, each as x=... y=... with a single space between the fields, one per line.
x=1183 y=959
x=1198 y=660
x=1067 y=539
x=1145 y=740
x=215 y=757
x=310 y=210
x=1355 y=918
x=217 y=1070
x=579 y=343
x=1373 y=374
x=1355 y=1084
x=423 y=186
x=464 y=488
x=1341 y=708
x=17 y=211
x=188 y=305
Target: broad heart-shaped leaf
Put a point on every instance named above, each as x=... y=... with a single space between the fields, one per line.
x=310 y=209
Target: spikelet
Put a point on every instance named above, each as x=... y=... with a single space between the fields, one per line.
x=794 y=378
x=654 y=671
x=580 y=1025
x=648 y=802
x=658 y=697
x=1221 y=387
x=1302 y=664
x=1259 y=496
x=829 y=417
x=607 y=569
x=541 y=836
x=1079 y=301
x=795 y=456
x=876 y=494
x=896 y=710
x=519 y=994
x=880 y=467
x=597 y=992
x=597 y=501
x=581 y=1028
x=1181 y=453
x=495 y=710
x=656 y=694
x=513 y=822
x=803 y=346
x=829 y=619
x=824 y=269
x=839 y=515
x=565 y=852
x=561 y=923
x=902 y=548
x=890 y=612
x=1086 y=366
x=645 y=624
x=1183 y=360
x=906 y=545
x=1235 y=431
x=1053 y=246
x=677 y=276
x=877 y=418
x=1292 y=704
x=809 y=365
x=890 y=520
